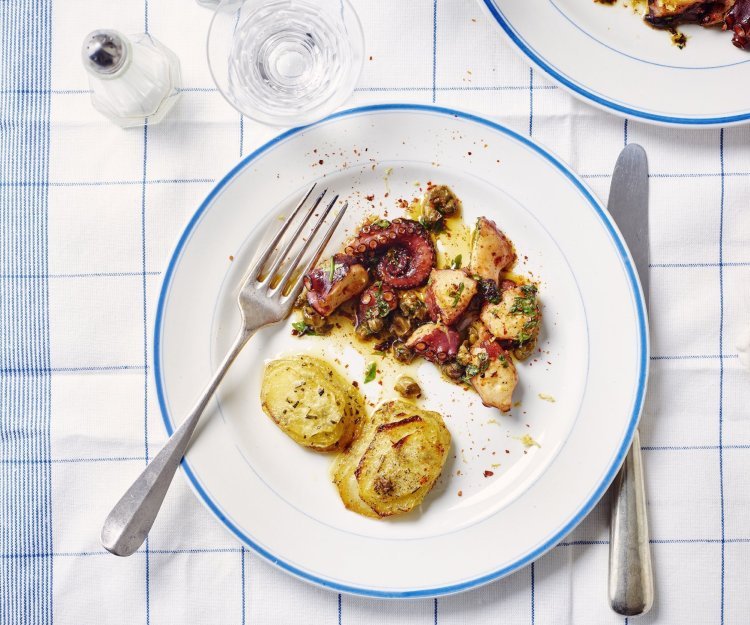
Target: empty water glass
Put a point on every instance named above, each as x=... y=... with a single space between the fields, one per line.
x=285 y=62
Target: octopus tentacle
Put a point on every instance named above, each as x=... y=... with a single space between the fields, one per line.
x=406 y=252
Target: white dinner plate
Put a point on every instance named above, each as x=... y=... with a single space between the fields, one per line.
x=580 y=397
x=607 y=56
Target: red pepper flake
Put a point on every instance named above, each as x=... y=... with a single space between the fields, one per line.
x=231 y=258
x=489 y=473
x=371 y=58
x=507 y=451
x=320 y=162
x=469 y=153
x=355 y=384
x=460 y=493
x=386 y=195
x=369 y=198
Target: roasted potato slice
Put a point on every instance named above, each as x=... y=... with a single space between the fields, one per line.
x=394 y=462
x=491 y=251
x=312 y=403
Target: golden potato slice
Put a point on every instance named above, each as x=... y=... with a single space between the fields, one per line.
x=312 y=403
x=395 y=461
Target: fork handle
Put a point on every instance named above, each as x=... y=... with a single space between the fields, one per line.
x=631 y=578
x=130 y=521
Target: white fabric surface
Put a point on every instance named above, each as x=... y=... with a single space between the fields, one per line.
x=114 y=209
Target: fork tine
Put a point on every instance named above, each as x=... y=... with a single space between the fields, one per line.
x=295 y=237
x=305 y=246
x=255 y=270
x=318 y=251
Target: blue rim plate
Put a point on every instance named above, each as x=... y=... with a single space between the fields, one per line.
x=255 y=501
x=608 y=57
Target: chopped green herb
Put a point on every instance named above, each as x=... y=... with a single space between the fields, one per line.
x=301 y=328
x=383 y=223
x=477 y=368
x=370 y=372
x=332 y=269
x=457 y=294
x=456 y=262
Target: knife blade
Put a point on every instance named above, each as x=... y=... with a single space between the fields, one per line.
x=628 y=205
x=631 y=580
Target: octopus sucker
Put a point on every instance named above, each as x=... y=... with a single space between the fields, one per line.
x=413 y=255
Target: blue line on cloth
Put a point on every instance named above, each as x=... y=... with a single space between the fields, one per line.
x=743 y=540
x=531 y=101
x=435 y=611
x=721 y=374
x=104 y=183
x=693 y=447
x=70 y=460
x=434 y=50
x=140 y=457
x=694 y=265
x=25 y=400
x=45 y=370
x=138 y=182
x=93 y=274
x=697 y=357
x=244 y=606
x=339 y=609
x=145 y=333
x=625 y=132
x=533 y=608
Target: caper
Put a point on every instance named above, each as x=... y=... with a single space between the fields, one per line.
x=523 y=351
x=453 y=370
x=315 y=321
x=412 y=306
x=430 y=215
x=407 y=387
x=401 y=352
x=442 y=200
x=400 y=326
x=464 y=355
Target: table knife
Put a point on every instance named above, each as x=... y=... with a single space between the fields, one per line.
x=631 y=579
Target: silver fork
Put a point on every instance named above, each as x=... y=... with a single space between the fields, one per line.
x=261 y=303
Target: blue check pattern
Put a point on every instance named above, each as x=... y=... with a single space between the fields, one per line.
x=88 y=216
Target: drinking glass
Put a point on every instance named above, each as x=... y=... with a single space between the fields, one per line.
x=285 y=62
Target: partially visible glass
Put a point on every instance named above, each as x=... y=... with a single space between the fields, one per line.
x=285 y=62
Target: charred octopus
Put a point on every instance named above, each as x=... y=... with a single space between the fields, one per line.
x=733 y=15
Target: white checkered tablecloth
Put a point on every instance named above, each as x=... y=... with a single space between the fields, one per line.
x=89 y=214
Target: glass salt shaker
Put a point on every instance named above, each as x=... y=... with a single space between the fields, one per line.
x=131 y=78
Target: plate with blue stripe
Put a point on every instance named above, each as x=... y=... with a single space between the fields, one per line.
x=608 y=56
x=502 y=500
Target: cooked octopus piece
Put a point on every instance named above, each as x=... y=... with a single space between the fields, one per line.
x=738 y=21
x=449 y=293
x=404 y=247
x=434 y=342
x=337 y=280
x=517 y=317
x=670 y=13
x=491 y=251
x=495 y=377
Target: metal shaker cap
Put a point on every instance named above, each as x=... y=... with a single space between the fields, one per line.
x=105 y=51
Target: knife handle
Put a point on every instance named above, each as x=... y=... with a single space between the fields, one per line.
x=631 y=578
